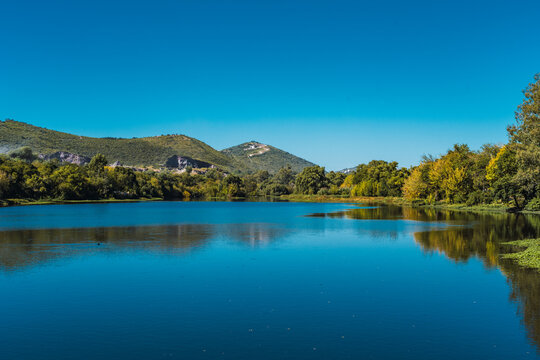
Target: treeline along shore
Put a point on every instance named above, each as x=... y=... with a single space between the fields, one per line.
x=500 y=176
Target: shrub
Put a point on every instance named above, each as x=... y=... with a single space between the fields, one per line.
x=533 y=205
x=323 y=191
x=475 y=198
x=418 y=202
x=430 y=200
x=460 y=199
x=276 y=190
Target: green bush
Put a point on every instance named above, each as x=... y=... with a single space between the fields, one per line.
x=418 y=202
x=431 y=199
x=323 y=191
x=475 y=198
x=276 y=190
x=533 y=205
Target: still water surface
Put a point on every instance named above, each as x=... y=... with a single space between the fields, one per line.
x=242 y=280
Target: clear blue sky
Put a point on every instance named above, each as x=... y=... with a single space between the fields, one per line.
x=336 y=82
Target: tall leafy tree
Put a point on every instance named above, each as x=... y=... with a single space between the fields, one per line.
x=97 y=164
x=25 y=153
x=501 y=172
x=525 y=135
x=311 y=180
x=378 y=178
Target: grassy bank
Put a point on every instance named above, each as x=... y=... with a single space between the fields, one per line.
x=528 y=254
x=344 y=199
x=394 y=201
x=294 y=198
x=27 y=202
x=474 y=208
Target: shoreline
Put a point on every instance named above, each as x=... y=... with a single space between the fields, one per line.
x=26 y=202
x=525 y=252
x=397 y=201
x=494 y=208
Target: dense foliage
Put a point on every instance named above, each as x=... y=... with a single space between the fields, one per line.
x=503 y=174
x=507 y=174
x=24 y=177
x=378 y=178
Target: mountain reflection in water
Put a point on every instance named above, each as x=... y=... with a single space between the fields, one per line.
x=458 y=236
x=27 y=247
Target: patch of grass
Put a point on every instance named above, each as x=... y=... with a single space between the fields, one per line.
x=529 y=256
x=397 y=201
x=475 y=208
x=343 y=199
x=24 y=202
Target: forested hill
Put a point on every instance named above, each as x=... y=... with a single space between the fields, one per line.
x=256 y=156
x=147 y=151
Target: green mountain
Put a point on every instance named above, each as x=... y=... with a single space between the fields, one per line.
x=147 y=151
x=256 y=156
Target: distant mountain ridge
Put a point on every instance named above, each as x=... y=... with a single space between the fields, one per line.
x=258 y=156
x=154 y=151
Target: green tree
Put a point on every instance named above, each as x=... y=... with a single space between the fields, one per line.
x=525 y=134
x=311 y=180
x=70 y=183
x=285 y=176
x=501 y=172
x=234 y=185
x=97 y=164
x=4 y=184
x=25 y=153
x=336 y=178
x=262 y=176
x=378 y=178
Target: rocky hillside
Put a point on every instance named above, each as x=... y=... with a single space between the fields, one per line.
x=147 y=151
x=257 y=156
x=173 y=151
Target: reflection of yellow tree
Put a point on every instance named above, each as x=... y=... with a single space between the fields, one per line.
x=492 y=253
x=456 y=244
x=479 y=236
x=483 y=240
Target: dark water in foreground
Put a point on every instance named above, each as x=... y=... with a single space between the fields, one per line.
x=208 y=280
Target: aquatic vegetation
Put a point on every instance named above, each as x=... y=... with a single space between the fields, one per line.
x=529 y=256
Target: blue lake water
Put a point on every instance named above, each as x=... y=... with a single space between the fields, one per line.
x=262 y=280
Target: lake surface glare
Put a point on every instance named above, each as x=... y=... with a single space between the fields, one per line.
x=263 y=280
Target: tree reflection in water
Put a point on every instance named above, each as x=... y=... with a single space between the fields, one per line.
x=21 y=248
x=481 y=236
x=478 y=236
